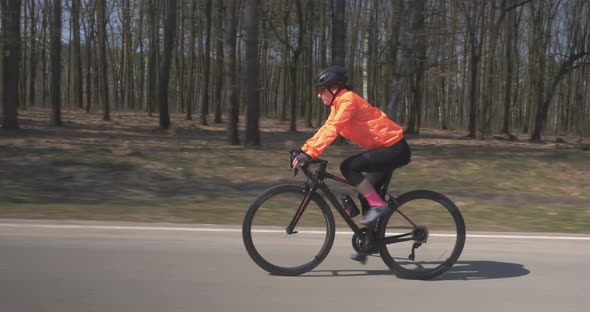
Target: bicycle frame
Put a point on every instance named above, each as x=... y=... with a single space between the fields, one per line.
x=316 y=181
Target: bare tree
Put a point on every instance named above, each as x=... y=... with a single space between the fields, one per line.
x=11 y=59
x=126 y=84
x=418 y=65
x=229 y=59
x=101 y=22
x=219 y=61
x=399 y=57
x=152 y=78
x=576 y=48
x=508 y=53
x=566 y=66
x=296 y=49
x=207 y=65
x=252 y=59
x=77 y=58
x=91 y=64
x=56 y=63
x=475 y=46
x=33 y=55
x=189 y=97
x=140 y=83
x=169 y=29
x=338 y=33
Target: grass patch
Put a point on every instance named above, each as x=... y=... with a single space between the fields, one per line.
x=90 y=160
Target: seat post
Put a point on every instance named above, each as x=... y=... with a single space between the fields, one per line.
x=387 y=178
x=383 y=189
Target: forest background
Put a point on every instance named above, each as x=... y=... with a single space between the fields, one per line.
x=493 y=95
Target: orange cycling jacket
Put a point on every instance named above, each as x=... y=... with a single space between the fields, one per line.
x=357 y=120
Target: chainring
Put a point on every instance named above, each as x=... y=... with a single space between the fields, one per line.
x=364 y=243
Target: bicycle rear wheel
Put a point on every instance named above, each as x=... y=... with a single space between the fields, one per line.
x=423 y=237
x=265 y=234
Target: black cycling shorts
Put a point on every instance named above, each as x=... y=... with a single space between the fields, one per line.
x=380 y=160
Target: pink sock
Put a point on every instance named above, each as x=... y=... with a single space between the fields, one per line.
x=375 y=200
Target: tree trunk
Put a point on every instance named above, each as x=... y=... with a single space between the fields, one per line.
x=169 y=29
x=339 y=41
x=23 y=58
x=127 y=87
x=252 y=61
x=445 y=90
x=10 y=67
x=475 y=48
x=77 y=58
x=508 y=26
x=323 y=60
x=418 y=27
x=305 y=90
x=366 y=39
x=338 y=33
x=154 y=28
x=229 y=60
x=535 y=66
x=46 y=16
x=179 y=58
x=33 y=55
x=207 y=65
x=283 y=80
x=91 y=59
x=399 y=58
x=102 y=58
x=219 y=61
x=141 y=81
x=294 y=64
x=56 y=64
x=192 y=63
x=489 y=74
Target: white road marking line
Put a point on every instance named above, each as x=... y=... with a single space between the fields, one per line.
x=200 y=229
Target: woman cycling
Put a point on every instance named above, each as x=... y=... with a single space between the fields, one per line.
x=365 y=125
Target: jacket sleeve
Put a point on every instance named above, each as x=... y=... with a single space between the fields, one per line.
x=337 y=120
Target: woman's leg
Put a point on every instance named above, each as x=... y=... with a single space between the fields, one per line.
x=365 y=187
x=380 y=160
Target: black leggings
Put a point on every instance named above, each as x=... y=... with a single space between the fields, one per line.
x=376 y=161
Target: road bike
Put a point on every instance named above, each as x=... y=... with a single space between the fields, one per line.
x=421 y=237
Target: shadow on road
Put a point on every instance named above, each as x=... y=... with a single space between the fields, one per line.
x=462 y=270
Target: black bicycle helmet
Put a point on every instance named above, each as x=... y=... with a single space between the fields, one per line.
x=330 y=76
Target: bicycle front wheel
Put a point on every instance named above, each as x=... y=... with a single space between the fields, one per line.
x=266 y=237
x=423 y=237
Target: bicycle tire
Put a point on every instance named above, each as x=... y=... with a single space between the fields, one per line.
x=417 y=270
x=284 y=191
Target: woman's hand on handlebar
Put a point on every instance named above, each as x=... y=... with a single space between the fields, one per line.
x=300 y=160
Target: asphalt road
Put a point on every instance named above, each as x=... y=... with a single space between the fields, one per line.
x=91 y=266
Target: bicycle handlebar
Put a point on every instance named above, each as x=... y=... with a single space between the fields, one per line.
x=294 y=153
x=318 y=161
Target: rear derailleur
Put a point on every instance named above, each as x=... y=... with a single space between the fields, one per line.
x=420 y=236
